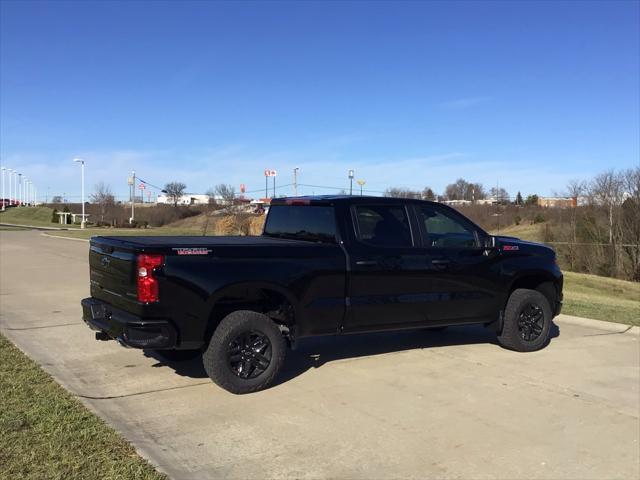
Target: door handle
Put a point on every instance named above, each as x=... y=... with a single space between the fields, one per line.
x=366 y=262
x=440 y=261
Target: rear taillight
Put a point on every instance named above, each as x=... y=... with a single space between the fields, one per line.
x=147 y=282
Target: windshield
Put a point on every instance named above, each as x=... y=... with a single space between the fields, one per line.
x=315 y=223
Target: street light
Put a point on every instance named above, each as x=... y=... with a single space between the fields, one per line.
x=295 y=181
x=3 y=199
x=351 y=175
x=81 y=162
x=361 y=183
x=10 y=170
x=19 y=190
x=15 y=187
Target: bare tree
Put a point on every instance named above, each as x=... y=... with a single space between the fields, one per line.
x=227 y=193
x=606 y=192
x=103 y=198
x=175 y=190
x=631 y=220
x=397 y=192
x=463 y=190
x=500 y=194
x=427 y=194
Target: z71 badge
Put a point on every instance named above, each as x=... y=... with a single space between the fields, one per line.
x=192 y=251
x=508 y=248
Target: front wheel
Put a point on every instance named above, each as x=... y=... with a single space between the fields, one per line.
x=527 y=321
x=245 y=353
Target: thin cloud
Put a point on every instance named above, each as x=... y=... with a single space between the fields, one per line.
x=462 y=103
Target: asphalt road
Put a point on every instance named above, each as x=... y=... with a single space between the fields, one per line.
x=406 y=405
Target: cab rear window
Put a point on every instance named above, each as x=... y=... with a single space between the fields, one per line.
x=307 y=222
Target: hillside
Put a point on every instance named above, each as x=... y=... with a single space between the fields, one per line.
x=531 y=232
x=37 y=216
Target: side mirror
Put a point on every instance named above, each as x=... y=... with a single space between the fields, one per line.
x=490 y=241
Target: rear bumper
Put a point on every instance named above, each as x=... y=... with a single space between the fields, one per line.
x=126 y=328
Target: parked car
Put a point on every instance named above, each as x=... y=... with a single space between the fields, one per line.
x=324 y=265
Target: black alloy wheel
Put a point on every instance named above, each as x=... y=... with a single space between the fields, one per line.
x=249 y=354
x=531 y=322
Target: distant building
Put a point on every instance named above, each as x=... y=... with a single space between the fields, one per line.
x=457 y=203
x=557 y=202
x=487 y=201
x=194 y=199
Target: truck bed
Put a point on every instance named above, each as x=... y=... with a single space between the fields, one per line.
x=198 y=241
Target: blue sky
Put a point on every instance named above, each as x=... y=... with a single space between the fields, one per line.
x=530 y=94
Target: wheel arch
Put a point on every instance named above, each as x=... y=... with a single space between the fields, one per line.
x=540 y=280
x=273 y=300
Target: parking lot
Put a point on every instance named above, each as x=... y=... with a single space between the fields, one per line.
x=418 y=404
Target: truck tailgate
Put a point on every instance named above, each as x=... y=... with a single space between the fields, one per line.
x=112 y=270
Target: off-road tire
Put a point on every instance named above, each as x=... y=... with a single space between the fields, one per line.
x=513 y=336
x=178 y=355
x=216 y=360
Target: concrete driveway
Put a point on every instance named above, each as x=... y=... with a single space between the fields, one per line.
x=406 y=405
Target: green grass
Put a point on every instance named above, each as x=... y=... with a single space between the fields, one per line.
x=36 y=216
x=46 y=433
x=601 y=298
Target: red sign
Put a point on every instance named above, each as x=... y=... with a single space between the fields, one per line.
x=270 y=173
x=242 y=188
x=142 y=186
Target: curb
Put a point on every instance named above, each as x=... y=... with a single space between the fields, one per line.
x=64 y=238
x=599 y=324
x=34 y=227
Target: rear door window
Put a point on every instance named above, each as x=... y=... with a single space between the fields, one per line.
x=308 y=222
x=384 y=225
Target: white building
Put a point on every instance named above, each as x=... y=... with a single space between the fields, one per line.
x=188 y=199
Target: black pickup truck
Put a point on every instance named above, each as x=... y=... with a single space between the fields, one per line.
x=324 y=265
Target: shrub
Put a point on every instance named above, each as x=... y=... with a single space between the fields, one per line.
x=226 y=226
x=256 y=224
x=517 y=220
x=539 y=218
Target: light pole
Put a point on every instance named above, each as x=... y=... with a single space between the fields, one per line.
x=19 y=190
x=132 y=185
x=351 y=175
x=10 y=170
x=25 y=191
x=15 y=187
x=3 y=199
x=81 y=162
x=361 y=183
x=295 y=181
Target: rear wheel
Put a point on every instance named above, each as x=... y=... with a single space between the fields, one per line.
x=527 y=321
x=245 y=353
